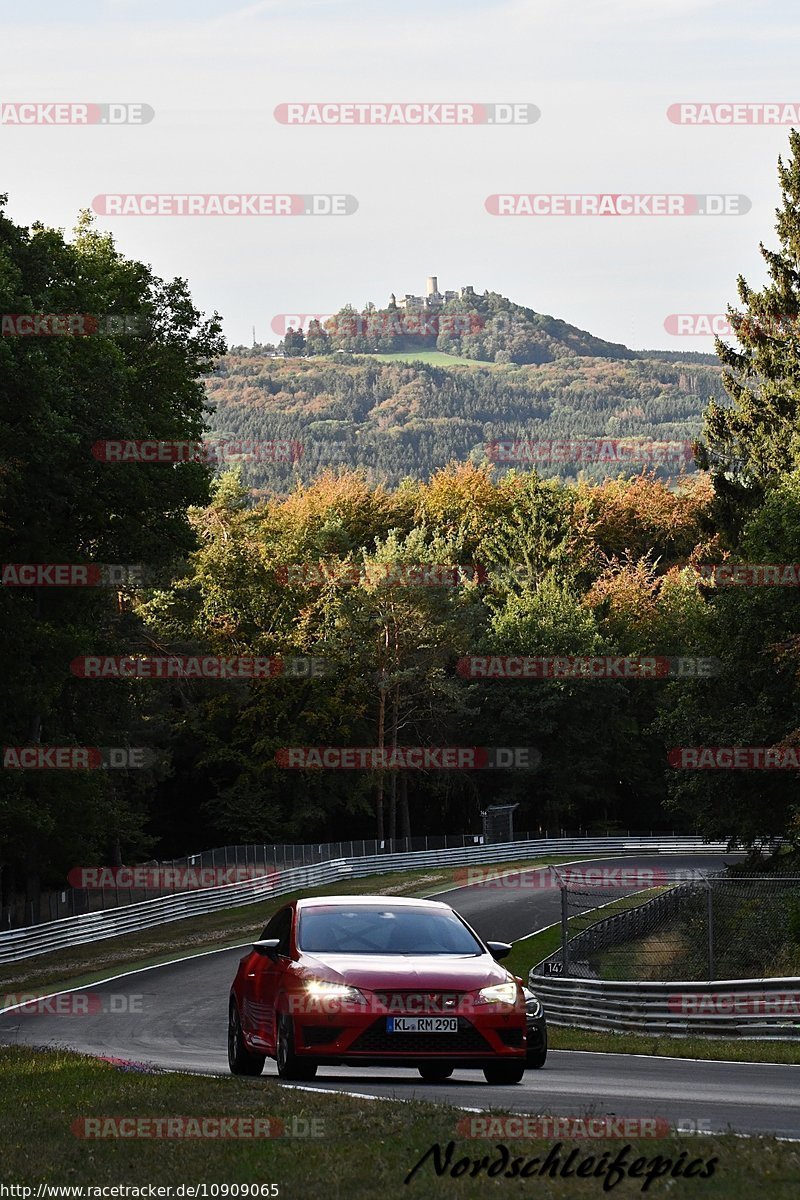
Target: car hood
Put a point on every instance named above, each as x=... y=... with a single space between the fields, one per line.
x=454 y=972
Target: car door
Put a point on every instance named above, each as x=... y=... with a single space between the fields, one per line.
x=270 y=976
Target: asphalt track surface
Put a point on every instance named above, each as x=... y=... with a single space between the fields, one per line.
x=174 y=1016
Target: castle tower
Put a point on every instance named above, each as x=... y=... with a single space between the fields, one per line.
x=433 y=286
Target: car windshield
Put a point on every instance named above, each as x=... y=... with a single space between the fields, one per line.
x=375 y=930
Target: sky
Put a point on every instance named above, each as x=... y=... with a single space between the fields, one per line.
x=602 y=73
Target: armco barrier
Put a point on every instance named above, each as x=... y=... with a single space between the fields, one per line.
x=750 y=1008
x=75 y=931
x=259 y=858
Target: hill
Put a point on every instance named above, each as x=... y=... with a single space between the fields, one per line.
x=487 y=328
x=397 y=419
x=404 y=390
x=484 y=328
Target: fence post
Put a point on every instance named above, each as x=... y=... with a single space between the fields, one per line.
x=564 y=931
x=710 y=924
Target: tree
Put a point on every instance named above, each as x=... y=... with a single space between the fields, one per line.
x=748 y=444
x=755 y=700
x=294 y=342
x=138 y=377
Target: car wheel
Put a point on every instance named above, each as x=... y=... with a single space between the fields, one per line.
x=505 y=1072
x=435 y=1072
x=289 y=1065
x=240 y=1060
x=536 y=1058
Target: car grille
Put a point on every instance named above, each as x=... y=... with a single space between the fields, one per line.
x=418 y=1003
x=320 y=1035
x=511 y=1037
x=376 y=1039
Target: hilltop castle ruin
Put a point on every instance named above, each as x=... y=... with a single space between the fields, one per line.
x=433 y=298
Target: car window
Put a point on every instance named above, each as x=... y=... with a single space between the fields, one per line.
x=375 y=930
x=280 y=926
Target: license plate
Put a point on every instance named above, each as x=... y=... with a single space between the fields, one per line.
x=422 y=1024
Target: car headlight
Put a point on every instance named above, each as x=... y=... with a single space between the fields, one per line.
x=498 y=993
x=324 y=989
x=533 y=1007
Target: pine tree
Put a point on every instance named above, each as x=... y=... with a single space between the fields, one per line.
x=750 y=443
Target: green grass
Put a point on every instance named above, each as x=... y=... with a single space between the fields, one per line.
x=561 y=1037
x=529 y=951
x=435 y=358
x=366 y=1151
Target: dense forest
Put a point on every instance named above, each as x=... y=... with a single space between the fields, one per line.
x=327 y=568
x=399 y=419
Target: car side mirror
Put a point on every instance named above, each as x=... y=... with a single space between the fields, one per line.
x=499 y=950
x=267 y=947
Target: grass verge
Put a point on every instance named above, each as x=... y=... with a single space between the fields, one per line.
x=529 y=951
x=367 y=1148
x=435 y=358
x=562 y=1037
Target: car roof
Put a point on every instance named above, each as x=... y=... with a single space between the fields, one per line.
x=384 y=901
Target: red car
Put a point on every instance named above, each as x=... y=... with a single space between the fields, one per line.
x=370 y=981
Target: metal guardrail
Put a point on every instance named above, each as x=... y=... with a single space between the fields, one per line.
x=282 y=856
x=260 y=858
x=761 y=1009
x=75 y=931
